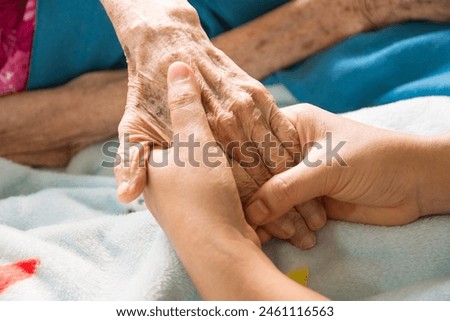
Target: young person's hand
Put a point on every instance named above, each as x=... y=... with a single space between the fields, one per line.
x=363 y=174
x=193 y=195
x=191 y=186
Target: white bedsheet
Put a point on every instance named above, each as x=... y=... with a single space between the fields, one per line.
x=86 y=246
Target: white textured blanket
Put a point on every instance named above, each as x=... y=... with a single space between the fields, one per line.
x=63 y=236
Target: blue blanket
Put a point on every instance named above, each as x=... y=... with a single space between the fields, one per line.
x=398 y=62
x=395 y=63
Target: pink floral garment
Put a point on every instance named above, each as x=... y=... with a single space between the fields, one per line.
x=17 y=23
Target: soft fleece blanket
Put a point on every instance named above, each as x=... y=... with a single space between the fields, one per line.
x=63 y=236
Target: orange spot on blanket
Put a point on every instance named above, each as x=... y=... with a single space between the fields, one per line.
x=13 y=273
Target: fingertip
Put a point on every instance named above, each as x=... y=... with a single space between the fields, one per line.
x=305 y=241
x=303 y=238
x=178 y=72
x=308 y=241
x=263 y=235
x=126 y=197
x=282 y=228
x=288 y=227
x=313 y=213
x=127 y=193
x=257 y=212
x=318 y=222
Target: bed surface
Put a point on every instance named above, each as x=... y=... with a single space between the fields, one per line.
x=79 y=243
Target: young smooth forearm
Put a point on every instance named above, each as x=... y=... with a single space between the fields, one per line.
x=300 y=28
x=225 y=265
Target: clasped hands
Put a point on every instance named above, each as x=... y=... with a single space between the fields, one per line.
x=362 y=185
x=238 y=108
x=199 y=206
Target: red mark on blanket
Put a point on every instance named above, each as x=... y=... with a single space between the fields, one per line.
x=13 y=273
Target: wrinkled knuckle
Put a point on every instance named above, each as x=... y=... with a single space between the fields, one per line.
x=260 y=88
x=182 y=99
x=209 y=99
x=185 y=13
x=225 y=120
x=246 y=101
x=242 y=102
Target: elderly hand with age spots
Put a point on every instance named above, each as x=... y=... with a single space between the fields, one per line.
x=239 y=109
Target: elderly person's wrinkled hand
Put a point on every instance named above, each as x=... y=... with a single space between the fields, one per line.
x=240 y=111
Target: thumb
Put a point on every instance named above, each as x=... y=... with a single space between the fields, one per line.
x=284 y=191
x=184 y=99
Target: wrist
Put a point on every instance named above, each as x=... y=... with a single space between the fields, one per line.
x=434 y=173
x=223 y=265
x=381 y=13
x=151 y=22
x=228 y=266
x=199 y=230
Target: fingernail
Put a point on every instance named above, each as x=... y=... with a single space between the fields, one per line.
x=317 y=221
x=288 y=228
x=308 y=242
x=178 y=74
x=257 y=212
